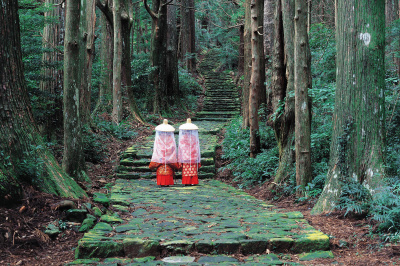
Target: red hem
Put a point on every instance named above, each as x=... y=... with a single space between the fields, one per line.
x=165 y=180
x=190 y=180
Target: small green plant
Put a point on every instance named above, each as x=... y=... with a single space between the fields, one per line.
x=249 y=171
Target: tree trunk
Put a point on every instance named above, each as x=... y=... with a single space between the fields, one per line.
x=87 y=27
x=172 y=56
x=126 y=24
x=255 y=85
x=51 y=85
x=302 y=83
x=188 y=35
x=162 y=101
x=106 y=59
x=117 y=63
x=283 y=87
x=73 y=158
x=268 y=46
x=23 y=155
x=247 y=64
x=358 y=137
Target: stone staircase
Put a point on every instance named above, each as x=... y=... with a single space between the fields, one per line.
x=222 y=100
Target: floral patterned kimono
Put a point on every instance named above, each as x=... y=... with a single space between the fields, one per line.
x=164 y=158
x=189 y=156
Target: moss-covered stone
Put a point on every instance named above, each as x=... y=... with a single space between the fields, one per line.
x=87 y=224
x=178 y=246
x=250 y=246
x=98 y=249
x=316 y=255
x=101 y=198
x=94 y=261
x=137 y=247
x=76 y=215
x=280 y=244
x=270 y=259
x=111 y=219
x=311 y=242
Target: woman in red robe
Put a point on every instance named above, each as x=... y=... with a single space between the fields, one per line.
x=189 y=153
x=164 y=157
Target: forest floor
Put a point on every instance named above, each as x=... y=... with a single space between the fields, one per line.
x=22 y=241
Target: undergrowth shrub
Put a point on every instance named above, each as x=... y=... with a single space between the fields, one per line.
x=236 y=146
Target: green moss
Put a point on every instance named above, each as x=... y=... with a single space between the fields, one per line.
x=136 y=247
x=316 y=255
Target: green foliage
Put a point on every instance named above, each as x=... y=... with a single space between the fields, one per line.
x=142 y=87
x=323 y=52
x=189 y=88
x=93 y=148
x=385 y=207
x=121 y=131
x=249 y=171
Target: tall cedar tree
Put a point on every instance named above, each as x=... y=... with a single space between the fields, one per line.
x=358 y=137
x=51 y=85
x=254 y=90
x=283 y=87
x=87 y=27
x=24 y=156
x=165 y=92
x=302 y=83
x=73 y=157
x=249 y=49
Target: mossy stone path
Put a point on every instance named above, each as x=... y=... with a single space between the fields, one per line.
x=211 y=218
x=151 y=225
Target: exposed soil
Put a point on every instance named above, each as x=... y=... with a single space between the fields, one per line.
x=22 y=241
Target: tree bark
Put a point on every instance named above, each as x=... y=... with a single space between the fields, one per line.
x=117 y=63
x=51 y=85
x=269 y=7
x=87 y=27
x=163 y=98
x=283 y=87
x=172 y=56
x=254 y=92
x=188 y=35
x=106 y=59
x=23 y=155
x=358 y=137
x=302 y=83
x=247 y=64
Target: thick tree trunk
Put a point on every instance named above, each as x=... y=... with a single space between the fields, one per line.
x=247 y=64
x=162 y=99
x=51 y=85
x=358 y=137
x=23 y=155
x=268 y=28
x=172 y=56
x=87 y=27
x=73 y=158
x=106 y=59
x=283 y=87
x=302 y=83
x=117 y=63
x=188 y=35
x=255 y=85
